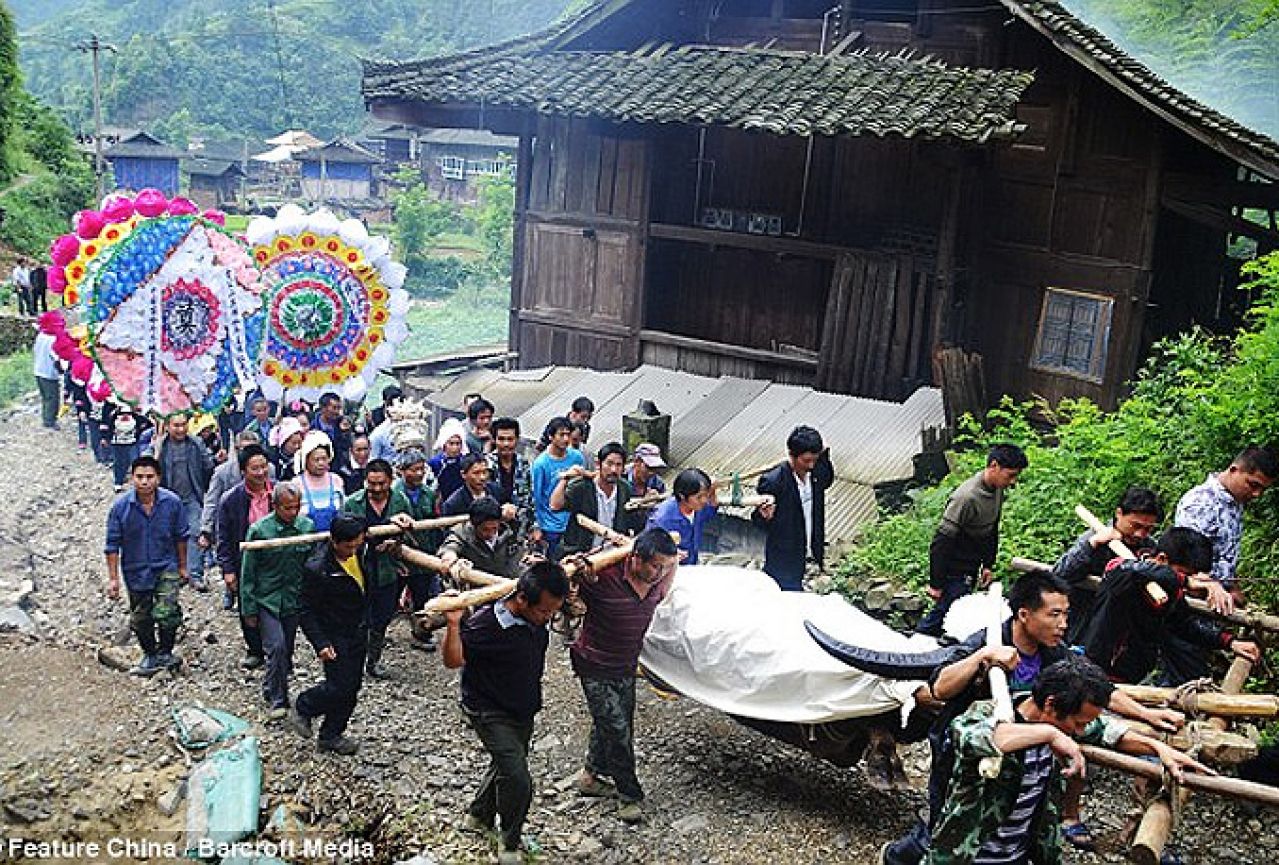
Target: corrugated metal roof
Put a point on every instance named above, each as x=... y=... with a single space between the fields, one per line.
x=733 y=446
x=728 y=425
x=675 y=393
x=512 y=393
x=721 y=405
x=599 y=386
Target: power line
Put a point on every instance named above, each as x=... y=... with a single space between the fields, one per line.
x=95 y=47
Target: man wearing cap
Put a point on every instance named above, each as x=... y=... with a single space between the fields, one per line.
x=642 y=474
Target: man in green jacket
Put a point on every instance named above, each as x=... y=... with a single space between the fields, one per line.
x=1015 y=816
x=379 y=505
x=270 y=585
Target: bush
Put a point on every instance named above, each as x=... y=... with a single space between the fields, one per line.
x=16 y=378
x=38 y=212
x=1198 y=401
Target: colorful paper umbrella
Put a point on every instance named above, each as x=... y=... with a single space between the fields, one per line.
x=334 y=304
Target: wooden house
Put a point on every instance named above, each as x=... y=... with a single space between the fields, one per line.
x=340 y=169
x=824 y=192
x=454 y=159
x=141 y=161
x=396 y=143
x=214 y=183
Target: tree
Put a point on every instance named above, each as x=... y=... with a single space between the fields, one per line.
x=495 y=220
x=418 y=222
x=10 y=92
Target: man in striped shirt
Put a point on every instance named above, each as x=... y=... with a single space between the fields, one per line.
x=1015 y=816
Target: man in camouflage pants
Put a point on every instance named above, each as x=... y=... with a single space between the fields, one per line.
x=147 y=533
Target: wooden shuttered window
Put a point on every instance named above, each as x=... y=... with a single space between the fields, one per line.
x=1073 y=334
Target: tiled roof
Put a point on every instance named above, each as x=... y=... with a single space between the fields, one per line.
x=1085 y=43
x=783 y=92
x=140 y=145
x=338 y=150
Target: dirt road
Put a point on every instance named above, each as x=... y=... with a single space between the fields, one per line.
x=85 y=752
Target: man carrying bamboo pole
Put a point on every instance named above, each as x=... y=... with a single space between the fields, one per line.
x=796 y=521
x=686 y=514
x=422 y=584
x=1032 y=641
x=964 y=548
x=501 y=648
x=1136 y=516
x=600 y=495
x=619 y=608
x=271 y=589
x=378 y=504
x=1013 y=818
x=485 y=542
x=1128 y=633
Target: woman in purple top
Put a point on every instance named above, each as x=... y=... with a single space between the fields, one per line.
x=687 y=513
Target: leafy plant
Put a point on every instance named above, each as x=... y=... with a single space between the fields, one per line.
x=1199 y=400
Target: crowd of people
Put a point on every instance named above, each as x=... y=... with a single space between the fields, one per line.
x=193 y=489
x=266 y=474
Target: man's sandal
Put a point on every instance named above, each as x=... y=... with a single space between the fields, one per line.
x=1079 y=836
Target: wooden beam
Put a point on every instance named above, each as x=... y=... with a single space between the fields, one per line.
x=759 y=242
x=1248 y=791
x=739 y=351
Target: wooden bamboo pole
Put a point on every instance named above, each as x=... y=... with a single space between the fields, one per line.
x=467 y=575
x=1262 y=794
x=488 y=594
x=1241 y=617
x=996 y=675
x=1223 y=704
x=386 y=531
x=597 y=528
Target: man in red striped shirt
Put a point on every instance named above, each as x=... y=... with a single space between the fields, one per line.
x=619 y=607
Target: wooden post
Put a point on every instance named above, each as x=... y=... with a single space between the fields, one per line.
x=467 y=575
x=996 y=675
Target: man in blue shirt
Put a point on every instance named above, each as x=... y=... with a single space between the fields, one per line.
x=547 y=468
x=687 y=513
x=147 y=533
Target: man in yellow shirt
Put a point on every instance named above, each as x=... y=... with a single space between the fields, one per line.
x=334 y=617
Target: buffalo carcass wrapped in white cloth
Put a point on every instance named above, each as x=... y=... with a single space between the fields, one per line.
x=730 y=639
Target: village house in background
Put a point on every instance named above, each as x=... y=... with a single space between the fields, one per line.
x=829 y=194
x=396 y=143
x=339 y=170
x=141 y=160
x=218 y=172
x=454 y=159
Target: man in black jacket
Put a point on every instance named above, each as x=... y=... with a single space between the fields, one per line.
x=600 y=495
x=1129 y=631
x=334 y=617
x=796 y=521
x=250 y=498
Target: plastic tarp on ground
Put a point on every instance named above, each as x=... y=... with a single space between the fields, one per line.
x=731 y=639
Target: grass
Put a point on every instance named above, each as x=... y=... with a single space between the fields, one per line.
x=16 y=378
x=237 y=222
x=466 y=318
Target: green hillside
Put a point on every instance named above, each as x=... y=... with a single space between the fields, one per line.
x=235 y=67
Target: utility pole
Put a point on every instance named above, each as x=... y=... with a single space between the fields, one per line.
x=95 y=47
